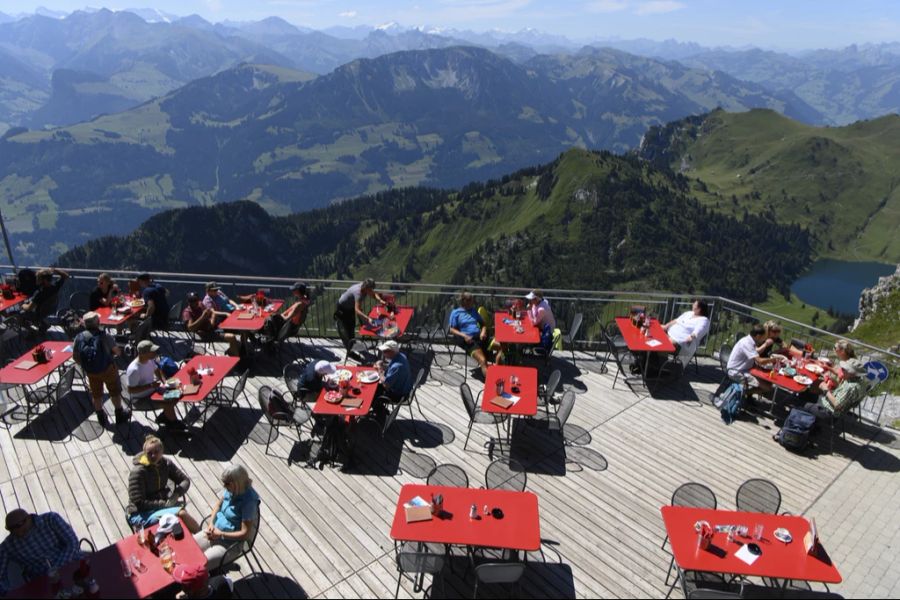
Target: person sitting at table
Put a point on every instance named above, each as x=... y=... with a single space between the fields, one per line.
x=149 y=497
x=744 y=357
x=202 y=321
x=39 y=543
x=541 y=316
x=397 y=380
x=689 y=329
x=469 y=329
x=233 y=516
x=216 y=300
x=156 y=301
x=312 y=377
x=848 y=393
x=94 y=351
x=196 y=583
x=42 y=302
x=145 y=378
x=297 y=311
x=105 y=291
x=349 y=308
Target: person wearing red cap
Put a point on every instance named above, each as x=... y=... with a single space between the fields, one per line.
x=196 y=583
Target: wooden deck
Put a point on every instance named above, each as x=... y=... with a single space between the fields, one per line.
x=325 y=533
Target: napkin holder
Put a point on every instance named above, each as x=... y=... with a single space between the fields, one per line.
x=414 y=514
x=502 y=402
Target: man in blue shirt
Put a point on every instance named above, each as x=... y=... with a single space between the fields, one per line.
x=40 y=543
x=398 y=381
x=469 y=329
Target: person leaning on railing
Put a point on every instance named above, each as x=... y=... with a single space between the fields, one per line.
x=42 y=301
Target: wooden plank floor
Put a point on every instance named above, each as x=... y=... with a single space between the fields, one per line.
x=325 y=533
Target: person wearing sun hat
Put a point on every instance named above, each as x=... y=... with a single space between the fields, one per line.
x=849 y=392
x=397 y=381
x=196 y=583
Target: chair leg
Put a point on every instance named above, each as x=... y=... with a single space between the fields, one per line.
x=269 y=440
x=468 y=433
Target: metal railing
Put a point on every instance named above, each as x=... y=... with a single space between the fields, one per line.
x=728 y=319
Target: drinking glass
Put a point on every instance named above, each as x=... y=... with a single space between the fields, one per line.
x=731 y=535
x=758 y=532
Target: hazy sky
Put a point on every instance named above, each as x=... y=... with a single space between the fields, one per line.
x=787 y=24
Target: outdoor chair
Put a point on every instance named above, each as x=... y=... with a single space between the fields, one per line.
x=724 y=354
x=623 y=359
x=558 y=421
x=448 y=475
x=758 y=495
x=694 y=495
x=225 y=396
x=476 y=415
x=291 y=375
x=80 y=302
x=508 y=573
x=135 y=405
x=505 y=474
x=238 y=549
x=568 y=338
x=279 y=417
x=417 y=564
x=546 y=392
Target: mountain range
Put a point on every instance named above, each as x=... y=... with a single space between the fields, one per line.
x=291 y=142
x=636 y=227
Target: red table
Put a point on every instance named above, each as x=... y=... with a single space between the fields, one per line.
x=367 y=393
x=16 y=300
x=106 y=569
x=783 y=381
x=519 y=529
x=403 y=316
x=10 y=374
x=111 y=317
x=235 y=323
x=505 y=333
x=636 y=341
x=221 y=366
x=778 y=560
x=528 y=388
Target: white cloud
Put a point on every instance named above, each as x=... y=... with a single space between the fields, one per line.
x=606 y=6
x=656 y=7
x=348 y=14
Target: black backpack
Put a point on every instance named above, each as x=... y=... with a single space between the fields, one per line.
x=794 y=434
x=27 y=279
x=93 y=354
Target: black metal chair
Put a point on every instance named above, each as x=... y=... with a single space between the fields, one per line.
x=448 y=475
x=80 y=302
x=278 y=414
x=623 y=360
x=546 y=392
x=225 y=396
x=758 y=495
x=724 y=354
x=493 y=573
x=505 y=474
x=291 y=375
x=476 y=415
x=418 y=564
x=694 y=495
x=241 y=548
x=558 y=421
x=568 y=338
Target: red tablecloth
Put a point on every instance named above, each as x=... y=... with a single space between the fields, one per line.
x=783 y=381
x=234 y=322
x=528 y=388
x=636 y=342
x=106 y=569
x=10 y=374
x=110 y=317
x=778 y=560
x=519 y=529
x=366 y=392
x=14 y=301
x=221 y=366
x=403 y=316
x=505 y=333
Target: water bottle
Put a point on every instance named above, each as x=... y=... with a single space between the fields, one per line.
x=499 y=387
x=473 y=512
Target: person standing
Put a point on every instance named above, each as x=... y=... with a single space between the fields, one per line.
x=349 y=308
x=95 y=352
x=156 y=301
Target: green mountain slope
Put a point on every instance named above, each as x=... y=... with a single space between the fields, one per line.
x=435 y=117
x=841 y=183
x=588 y=219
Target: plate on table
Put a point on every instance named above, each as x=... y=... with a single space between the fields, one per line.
x=803 y=380
x=136 y=303
x=367 y=377
x=814 y=368
x=783 y=535
x=124 y=310
x=333 y=397
x=343 y=375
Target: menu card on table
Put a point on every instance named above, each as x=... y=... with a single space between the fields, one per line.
x=505 y=400
x=417 y=510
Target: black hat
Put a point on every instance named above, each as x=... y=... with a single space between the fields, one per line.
x=193 y=296
x=144 y=277
x=299 y=287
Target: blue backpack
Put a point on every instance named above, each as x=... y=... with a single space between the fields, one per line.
x=730 y=402
x=168 y=366
x=93 y=354
x=794 y=434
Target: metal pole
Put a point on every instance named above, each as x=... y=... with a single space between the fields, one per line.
x=6 y=242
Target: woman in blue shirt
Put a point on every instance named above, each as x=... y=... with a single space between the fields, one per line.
x=234 y=517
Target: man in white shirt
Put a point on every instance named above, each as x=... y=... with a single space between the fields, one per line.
x=691 y=326
x=744 y=355
x=145 y=378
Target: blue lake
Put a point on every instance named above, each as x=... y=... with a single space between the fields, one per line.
x=837 y=284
